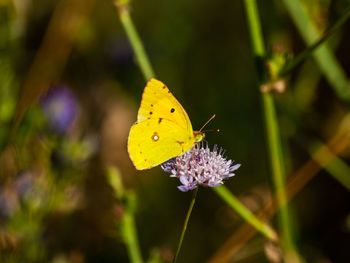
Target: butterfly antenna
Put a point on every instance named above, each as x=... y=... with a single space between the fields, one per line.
x=212 y=117
x=212 y=130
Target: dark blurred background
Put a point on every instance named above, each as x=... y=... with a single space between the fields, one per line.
x=56 y=201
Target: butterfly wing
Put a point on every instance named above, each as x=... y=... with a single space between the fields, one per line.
x=163 y=129
x=152 y=142
x=158 y=102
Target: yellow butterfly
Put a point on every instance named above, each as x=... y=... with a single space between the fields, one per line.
x=162 y=130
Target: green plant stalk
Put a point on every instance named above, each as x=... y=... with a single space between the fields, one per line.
x=128 y=225
x=130 y=237
x=272 y=129
x=189 y=211
x=245 y=213
x=254 y=28
x=277 y=169
x=136 y=43
x=324 y=57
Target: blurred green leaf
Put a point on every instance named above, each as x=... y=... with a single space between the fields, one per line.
x=336 y=167
x=324 y=57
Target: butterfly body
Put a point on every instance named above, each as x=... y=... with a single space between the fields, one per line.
x=163 y=129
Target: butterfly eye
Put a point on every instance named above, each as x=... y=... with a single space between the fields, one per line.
x=172 y=110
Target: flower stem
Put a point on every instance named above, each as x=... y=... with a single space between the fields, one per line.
x=277 y=169
x=195 y=191
x=245 y=213
x=272 y=129
x=136 y=43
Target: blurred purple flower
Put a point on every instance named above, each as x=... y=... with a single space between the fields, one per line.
x=24 y=183
x=200 y=167
x=60 y=108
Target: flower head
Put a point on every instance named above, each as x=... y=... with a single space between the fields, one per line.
x=60 y=108
x=200 y=166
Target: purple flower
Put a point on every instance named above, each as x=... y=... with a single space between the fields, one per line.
x=60 y=108
x=24 y=183
x=200 y=167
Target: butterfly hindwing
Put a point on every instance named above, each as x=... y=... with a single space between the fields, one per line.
x=152 y=142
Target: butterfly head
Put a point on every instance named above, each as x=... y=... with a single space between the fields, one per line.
x=198 y=136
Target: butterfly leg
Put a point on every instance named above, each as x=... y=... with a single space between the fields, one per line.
x=178 y=164
x=195 y=148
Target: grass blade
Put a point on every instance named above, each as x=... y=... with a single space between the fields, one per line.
x=323 y=56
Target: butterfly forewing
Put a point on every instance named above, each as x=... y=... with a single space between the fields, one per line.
x=159 y=103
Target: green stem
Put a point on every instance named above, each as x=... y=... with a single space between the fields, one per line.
x=195 y=191
x=277 y=165
x=254 y=28
x=245 y=213
x=272 y=129
x=136 y=43
x=130 y=237
x=128 y=225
